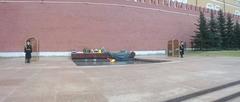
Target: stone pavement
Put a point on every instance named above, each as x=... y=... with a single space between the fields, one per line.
x=58 y=79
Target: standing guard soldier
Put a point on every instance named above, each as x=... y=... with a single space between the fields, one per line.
x=28 y=51
x=181 y=48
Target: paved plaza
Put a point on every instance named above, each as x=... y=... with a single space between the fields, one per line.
x=58 y=79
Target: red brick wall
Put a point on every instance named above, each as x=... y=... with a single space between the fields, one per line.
x=64 y=27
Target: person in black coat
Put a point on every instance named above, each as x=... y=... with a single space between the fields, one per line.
x=181 y=48
x=28 y=52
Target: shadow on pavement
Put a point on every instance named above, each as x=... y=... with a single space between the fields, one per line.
x=206 y=91
x=227 y=98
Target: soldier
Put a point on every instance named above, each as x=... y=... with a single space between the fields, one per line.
x=28 y=51
x=181 y=48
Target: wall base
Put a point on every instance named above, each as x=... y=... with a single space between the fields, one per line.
x=67 y=54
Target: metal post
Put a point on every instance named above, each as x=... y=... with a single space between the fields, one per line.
x=169 y=3
x=38 y=50
x=196 y=3
x=224 y=6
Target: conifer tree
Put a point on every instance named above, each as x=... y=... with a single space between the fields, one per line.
x=201 y=39
x=221 y=21
x=237 y=35
x=214 y=36
x=229 y=32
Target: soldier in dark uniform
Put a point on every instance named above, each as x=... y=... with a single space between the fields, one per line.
x=181 y=48
x=28 y=52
